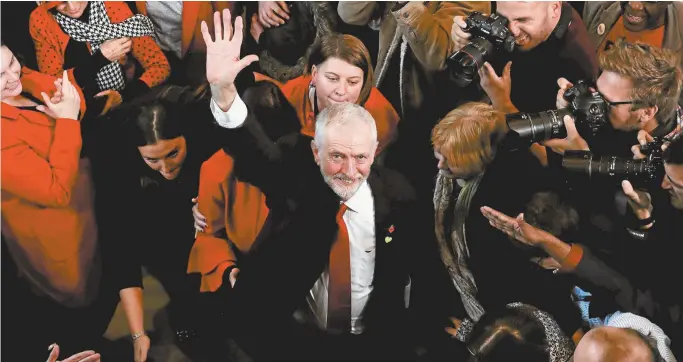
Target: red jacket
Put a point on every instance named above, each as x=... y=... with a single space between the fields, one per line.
x=47 y=199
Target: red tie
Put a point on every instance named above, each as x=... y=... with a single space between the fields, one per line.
x=339 y=297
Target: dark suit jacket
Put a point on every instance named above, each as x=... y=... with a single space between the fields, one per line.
x=289 y=259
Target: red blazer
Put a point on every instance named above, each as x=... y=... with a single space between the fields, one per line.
x=47 y=199
x=50 y=42
x=232 y=208
x=194 y=12
x=386 y=118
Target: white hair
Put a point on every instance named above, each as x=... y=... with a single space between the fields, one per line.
x=341 y=113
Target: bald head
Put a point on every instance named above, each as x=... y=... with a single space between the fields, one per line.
x=610 y=344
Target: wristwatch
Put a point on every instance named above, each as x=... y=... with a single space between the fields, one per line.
x=138 y=335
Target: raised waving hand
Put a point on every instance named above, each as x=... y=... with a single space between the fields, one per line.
x=223 y=61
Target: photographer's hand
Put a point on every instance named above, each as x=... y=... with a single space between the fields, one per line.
x=640 y=201
x=643 y=139
x=564 y=85
x=573 y=141
x=458 y=35
x=498 y=88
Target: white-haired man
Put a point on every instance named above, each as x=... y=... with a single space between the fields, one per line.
x=330 y=277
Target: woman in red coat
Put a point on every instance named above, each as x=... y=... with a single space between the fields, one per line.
x=96 y=42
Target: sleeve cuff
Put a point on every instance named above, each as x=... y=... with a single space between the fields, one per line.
x=573 y=258
x=234 y=117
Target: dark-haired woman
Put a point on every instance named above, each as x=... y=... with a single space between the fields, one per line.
x=167 y=135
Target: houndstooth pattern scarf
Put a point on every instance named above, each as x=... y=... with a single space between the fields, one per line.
x=99 y=29
x=453 y=247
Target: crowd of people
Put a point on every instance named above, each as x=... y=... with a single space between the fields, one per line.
x=357 y=180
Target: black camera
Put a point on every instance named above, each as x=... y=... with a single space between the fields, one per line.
x=588 y=109
x=487 y=33
x=643 y=172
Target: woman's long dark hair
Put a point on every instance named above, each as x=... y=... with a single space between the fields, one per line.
x=162 y=114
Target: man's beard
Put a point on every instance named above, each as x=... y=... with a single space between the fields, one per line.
x=345 y=192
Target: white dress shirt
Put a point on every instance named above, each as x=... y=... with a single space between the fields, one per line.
x=360 y=222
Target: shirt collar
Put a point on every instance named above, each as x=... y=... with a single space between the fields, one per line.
x=362 y=201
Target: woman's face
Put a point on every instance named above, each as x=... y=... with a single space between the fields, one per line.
x=166 y=156
x=73 y=9
x=10 y=73
x=337 y=81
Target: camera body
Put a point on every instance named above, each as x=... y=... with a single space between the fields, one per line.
x=644 y=172
x=488 y=33
x=588 y=108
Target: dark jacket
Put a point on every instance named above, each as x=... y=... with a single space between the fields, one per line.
x=283 y=268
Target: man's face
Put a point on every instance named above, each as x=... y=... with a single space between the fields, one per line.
x=643 y=15
x=530 y=22
x=345 y=156
x=673 y=183
x=616 y=88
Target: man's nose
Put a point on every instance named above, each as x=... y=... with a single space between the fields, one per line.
x=666 y=185
x=349 y=167
x=514 y=29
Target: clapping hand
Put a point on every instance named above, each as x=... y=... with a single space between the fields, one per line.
x=223 y=61
x=64 y=103
x=85 y=356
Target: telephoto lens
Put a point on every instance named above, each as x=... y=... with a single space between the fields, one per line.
x=541 y=126
x=585 y=162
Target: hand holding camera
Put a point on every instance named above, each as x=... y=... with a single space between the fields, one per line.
x=485 y=34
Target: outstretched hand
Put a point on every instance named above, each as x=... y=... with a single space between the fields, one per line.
x=223 y=61
x=517 y=227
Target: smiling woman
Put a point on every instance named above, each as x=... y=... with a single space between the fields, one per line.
x=339 y=69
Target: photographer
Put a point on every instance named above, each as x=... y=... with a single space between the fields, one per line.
x=648 y=290
x=551 y=41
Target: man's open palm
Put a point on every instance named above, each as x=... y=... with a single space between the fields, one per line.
x=223 y=61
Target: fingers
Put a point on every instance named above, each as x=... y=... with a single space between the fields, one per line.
x=630 y=191
x=570 y=125
x=46 y=100
x=217 y=28
x=78 y=357
x=244 y=62
x=644 y=137
x=507 y=71
x=205 y=32
x=456 y=322
x=101 y=94
x=195 y=200
x=637 y=154
x=564 y=83
x=458 y=35
x=94 y=358
x=54 y=348
x=281 y=9
x=239 y=34
x=227 y=24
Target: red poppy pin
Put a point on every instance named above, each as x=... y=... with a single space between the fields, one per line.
x=388 y=238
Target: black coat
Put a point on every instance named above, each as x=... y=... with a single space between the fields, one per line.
x=290 y=258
